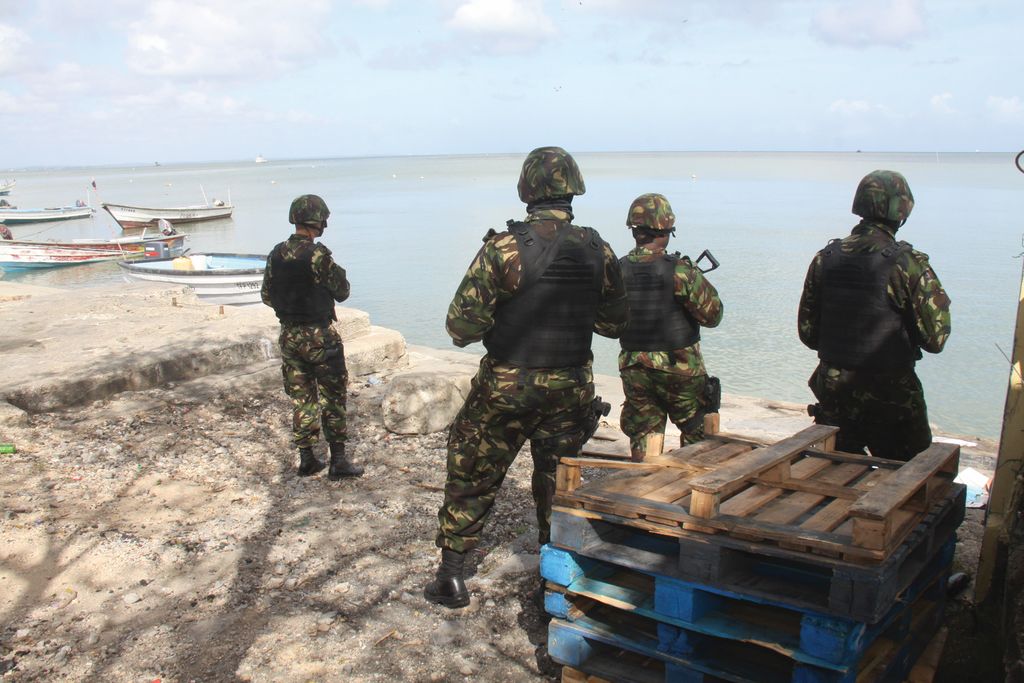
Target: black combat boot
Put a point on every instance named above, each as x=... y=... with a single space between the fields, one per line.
x=449 y=588
x=340 y=466
x=308 y=463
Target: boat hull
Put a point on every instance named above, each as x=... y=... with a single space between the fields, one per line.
x=26 y=254
x=231 y=279
x=16 y=216
x=141 y=216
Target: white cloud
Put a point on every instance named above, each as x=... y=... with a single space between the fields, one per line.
x=941 y=103
x=13 y=42
x=854 y=107
x=507 y=23
x=862 y=23
x=193 y=38
x=1005 y=109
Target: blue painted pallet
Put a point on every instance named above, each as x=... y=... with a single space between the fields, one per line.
x=689 y=614
x=863 y=592
x=624 y=646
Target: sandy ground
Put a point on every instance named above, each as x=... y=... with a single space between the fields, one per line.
x=162 y=535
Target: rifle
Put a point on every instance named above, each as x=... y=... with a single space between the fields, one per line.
x=706 y=255
x=597 y=409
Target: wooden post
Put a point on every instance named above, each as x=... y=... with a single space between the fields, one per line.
x=655 y=445
x=568 y=477
x=998 y=515
x=712 y=425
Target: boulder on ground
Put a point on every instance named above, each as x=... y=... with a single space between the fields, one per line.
x=12 y=416
x=423 y=402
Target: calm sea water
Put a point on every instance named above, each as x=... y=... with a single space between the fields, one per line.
x=406 y=228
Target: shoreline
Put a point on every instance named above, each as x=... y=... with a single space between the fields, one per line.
x=109 y=327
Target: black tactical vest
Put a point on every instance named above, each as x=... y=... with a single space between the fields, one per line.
x=549 y=321
x=859 y=326
x=293 y=294
x=657 y=322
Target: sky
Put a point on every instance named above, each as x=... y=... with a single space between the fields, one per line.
x=121 y=81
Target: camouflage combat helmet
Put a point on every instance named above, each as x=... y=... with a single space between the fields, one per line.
x=885 y=195
x=309 y=208
x=651 y=211
x=549 y=172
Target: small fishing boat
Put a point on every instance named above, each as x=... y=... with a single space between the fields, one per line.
x=6 y=185
x=140 y=216
x=29 y=254
x=234 y=279
x=11 y=215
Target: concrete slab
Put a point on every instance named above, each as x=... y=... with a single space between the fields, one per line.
x=68 y=347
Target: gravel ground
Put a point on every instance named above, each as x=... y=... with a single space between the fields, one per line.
x=163 y=535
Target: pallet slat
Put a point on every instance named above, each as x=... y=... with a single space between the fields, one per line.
x=791 y=494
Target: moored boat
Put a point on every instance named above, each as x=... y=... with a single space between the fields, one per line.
x=140 y=216
x=12 y=215
x=30 y=254
x=6 y=185
x=216 y=278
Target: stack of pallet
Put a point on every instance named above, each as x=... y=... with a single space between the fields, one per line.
x=735 y=561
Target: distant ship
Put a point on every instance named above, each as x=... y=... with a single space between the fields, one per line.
x=260 y=159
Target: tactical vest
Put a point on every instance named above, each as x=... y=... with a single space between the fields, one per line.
x=549 y=321
x=859 y=326
x=294 y=295
x=657 y=322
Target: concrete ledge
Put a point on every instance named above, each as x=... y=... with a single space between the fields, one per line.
x=64 y=348
x=380 y=350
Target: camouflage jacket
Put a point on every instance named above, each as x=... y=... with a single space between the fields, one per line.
x=325 y=271
x=494 y=274
x=913 y=289
x=699 y=297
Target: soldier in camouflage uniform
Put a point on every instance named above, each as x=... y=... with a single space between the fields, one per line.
x=302 y=283
x=870 y=304
x=534 y=295
x=660 y=364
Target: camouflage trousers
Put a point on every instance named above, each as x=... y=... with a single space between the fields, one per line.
x=884 y=412
x=651 y=396
x=315 y=378
x=505 y=407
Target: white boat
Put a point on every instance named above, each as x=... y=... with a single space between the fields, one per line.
x=260 y=159
x=140 y=216
x=234 y=279
x=12 y=215
x=30 y=254
x=7 y=184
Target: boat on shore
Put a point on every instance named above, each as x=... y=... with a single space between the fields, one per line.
x=216 y=278
x=141 y=216
x=6 y=185
x=11 y=215
x=32 y=254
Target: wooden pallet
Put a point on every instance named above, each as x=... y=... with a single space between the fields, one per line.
x=864 y=592
x=645 y=669
x=696 y=615
x=798 y=493
x=623 y=646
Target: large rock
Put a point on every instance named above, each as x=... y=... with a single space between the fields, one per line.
x=423 y=402
x=11 y=416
